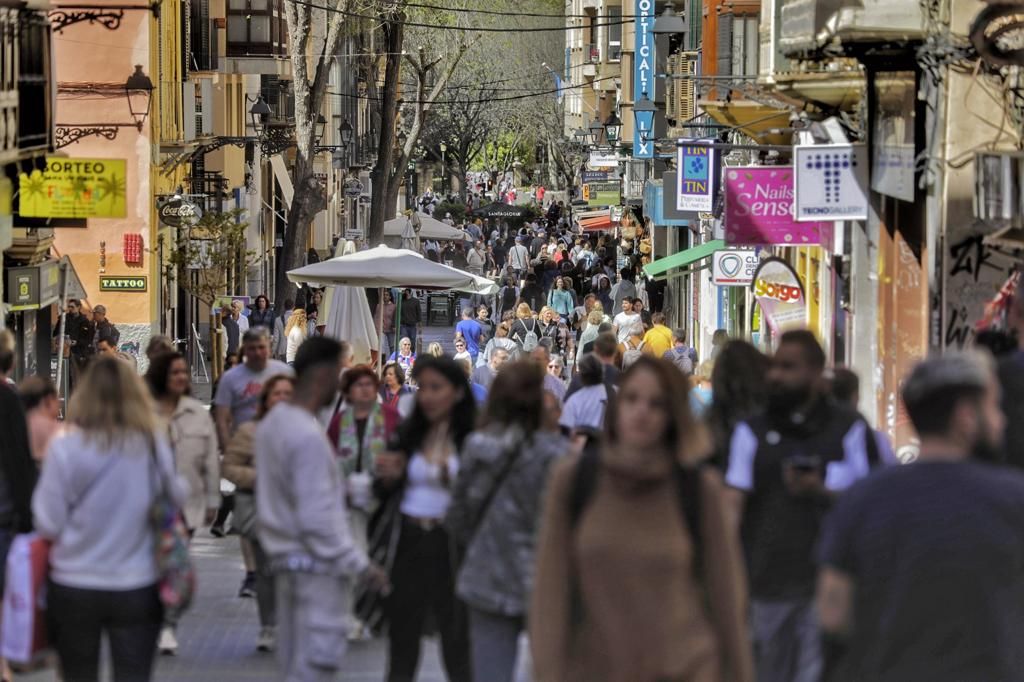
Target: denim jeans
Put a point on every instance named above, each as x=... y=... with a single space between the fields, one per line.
x=78 y=619
x=787 y=641
x=495 y=640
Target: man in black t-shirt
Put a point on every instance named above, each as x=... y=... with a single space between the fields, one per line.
x=784 y=468
x=921 y=564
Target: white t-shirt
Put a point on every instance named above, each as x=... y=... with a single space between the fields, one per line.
x=585 y=407
x=295 y=338
x=624 y=322
x=426 y=495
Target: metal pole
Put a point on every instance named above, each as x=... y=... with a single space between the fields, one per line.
x=380 y=321
x=62 y=326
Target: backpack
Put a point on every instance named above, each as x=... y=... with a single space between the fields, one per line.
x=680 y=357
x=687 y=480
x=530 y=341
x=631 y=355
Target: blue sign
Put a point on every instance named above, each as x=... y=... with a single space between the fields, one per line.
x=643 y=78
x=593 y=176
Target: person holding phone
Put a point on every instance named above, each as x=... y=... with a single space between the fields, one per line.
x=784 y=469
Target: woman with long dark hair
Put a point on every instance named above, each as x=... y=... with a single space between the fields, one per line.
x=738 y=392
x=418 y=478
x=494 y=514
x=193 y=440
x=262 y=315
x=639 y=570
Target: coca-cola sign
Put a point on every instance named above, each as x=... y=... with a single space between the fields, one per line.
x=759 y=210
x=179 y=211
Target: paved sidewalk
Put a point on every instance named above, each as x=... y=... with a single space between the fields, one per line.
x=218 y=635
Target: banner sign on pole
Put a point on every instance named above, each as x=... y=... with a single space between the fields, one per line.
x=695 y=177
x=780 y=295
x=759 y=210
x=643 y=77
x=831 y=182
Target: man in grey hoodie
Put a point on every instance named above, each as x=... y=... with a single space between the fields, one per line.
x=303 y=523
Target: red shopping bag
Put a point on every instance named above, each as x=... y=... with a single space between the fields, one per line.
x=23 y=628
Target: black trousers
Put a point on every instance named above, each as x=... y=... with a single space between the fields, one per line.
x=78 y=619
x=423 y=585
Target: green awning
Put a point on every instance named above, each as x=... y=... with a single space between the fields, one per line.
x=684 y=258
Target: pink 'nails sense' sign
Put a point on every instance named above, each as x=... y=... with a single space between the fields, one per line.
x=759 y=210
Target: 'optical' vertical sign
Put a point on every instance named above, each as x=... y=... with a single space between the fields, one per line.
x=643 y=78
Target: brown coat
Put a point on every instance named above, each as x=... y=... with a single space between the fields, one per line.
x=240 y=458
x=641 y=615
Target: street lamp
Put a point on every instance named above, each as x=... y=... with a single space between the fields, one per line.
x=643 y=115
x=345 y=133
x=444 y=149
x=612 y=128
x=596 y=129
x=139 y=90
x=321 y=128
x=260 y=114
x=669 y=22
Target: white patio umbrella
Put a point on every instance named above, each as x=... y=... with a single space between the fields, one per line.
x=383 y=266
x=410 y=238
x=348 y=315
x=394 y=229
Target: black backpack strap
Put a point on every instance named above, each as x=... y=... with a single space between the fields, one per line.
x=584 y=482
x=688 y=484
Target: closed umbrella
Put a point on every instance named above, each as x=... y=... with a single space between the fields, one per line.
x=349 y=317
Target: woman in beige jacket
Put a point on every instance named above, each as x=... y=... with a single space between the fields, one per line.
x=240 y=469
x=196 y=455
x=619 y=593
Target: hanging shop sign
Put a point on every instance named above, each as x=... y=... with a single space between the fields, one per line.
x=353 y=188
x=603 y=160
x=602 y=193
x=780 y=295
x=831 y=182
x=643 y=77
x=133 y=283
x=695 y=177
x=593 y=176
x=33 y=287
x=734 y=267
x=759 y=210
x=178 y=211
x=74 y=188
x=892 y=162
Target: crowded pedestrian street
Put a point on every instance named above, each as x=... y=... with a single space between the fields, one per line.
x=512 y=341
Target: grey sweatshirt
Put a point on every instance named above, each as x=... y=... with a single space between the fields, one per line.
x=94 y=502
x=300 y=506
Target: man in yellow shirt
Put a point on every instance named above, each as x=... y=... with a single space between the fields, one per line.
x=658 y=339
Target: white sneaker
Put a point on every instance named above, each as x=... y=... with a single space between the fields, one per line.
x=168 y=644
x=267 y=639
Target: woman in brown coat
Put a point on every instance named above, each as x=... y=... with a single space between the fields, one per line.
x=239 y=467
x=618 y=594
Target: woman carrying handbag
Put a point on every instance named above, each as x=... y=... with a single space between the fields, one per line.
x=103 y=480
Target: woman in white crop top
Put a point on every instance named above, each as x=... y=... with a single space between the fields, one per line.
x=423 y=472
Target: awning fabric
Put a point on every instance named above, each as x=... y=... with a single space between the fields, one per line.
x=604 y=222
x=684 y=258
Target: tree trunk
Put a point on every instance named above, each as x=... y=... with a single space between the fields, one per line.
x=384 y=199
x=308 y=200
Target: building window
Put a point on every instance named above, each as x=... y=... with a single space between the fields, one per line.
x=255 y=28
x=614 y=33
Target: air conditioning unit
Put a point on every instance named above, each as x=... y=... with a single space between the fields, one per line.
x=808 y=25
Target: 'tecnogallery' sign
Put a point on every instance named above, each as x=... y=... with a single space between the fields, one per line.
x=130 y=283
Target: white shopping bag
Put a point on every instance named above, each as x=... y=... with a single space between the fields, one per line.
x=23 y=628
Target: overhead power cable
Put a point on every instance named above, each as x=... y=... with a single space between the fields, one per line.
x=510 y=98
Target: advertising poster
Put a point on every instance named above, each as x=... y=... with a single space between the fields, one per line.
x=74 y=188
x=780 y=296
x=759 y=210
x=831 y=182
x=695 y=177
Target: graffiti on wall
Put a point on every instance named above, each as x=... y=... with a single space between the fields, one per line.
x=975 y=271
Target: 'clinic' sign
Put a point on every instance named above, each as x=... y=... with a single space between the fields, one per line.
x=643 y=78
